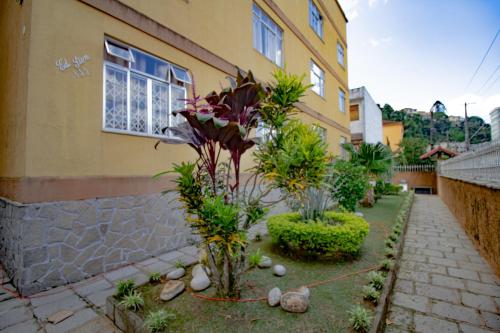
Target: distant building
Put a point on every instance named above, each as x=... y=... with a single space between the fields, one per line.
x=455 y=119
x=366 y=117
x=495 y=124
x=424 y=114
x=393 y=133
x=409 y=110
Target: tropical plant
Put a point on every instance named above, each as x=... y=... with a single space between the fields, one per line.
x=377 y=279
x=219 y=207
x=349 y=184
x=157 y=321
x=387 y=264
x=390 y=252
x=360 y=318
x=371 y=294
x=124 y=288
x=254 y=259
x=155 y=277
x=133 y=301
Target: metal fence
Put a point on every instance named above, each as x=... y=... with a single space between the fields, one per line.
x=414 y=168
x=482 y=166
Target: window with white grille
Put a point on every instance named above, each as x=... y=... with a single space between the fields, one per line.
x=341 y=100
x=267 y=36
x=317 y=79
x=141 y=91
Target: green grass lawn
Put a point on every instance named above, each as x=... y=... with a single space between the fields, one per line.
x=328 y=303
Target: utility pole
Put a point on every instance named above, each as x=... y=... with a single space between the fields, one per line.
x=466 y=129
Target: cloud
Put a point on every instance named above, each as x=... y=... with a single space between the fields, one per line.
x=480 y=106
x=350 y=8
x=374 y=42
x=373 y=3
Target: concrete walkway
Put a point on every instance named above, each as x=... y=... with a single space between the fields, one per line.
x=87 y=299
x=444 y=285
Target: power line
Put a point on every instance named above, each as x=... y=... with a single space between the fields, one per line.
x=493 y=84
x=488 y=80
x=484 y=57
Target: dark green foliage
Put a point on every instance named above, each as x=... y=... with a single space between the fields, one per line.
x=349 y=184
x=377 y=280
x=157 y=321
x=387 y=264
x=124 y=288
x=390 y=252
x=411 y=150
x=254 y=259
x=376 y=158
x=340 y=234
x=389 y=243
x=360 y=318
x=383 y=188
x=155 y=277
x=371 y=294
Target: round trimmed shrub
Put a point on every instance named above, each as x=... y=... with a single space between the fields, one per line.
x=339 y=235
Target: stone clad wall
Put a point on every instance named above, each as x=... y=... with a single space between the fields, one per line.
x=49 y=244
x=477 y=208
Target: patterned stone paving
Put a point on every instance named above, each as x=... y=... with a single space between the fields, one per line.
x=443 y=285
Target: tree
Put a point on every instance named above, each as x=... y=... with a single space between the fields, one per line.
x=411 y=150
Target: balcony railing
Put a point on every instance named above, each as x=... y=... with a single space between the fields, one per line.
x=414 y=168
x=481 y=166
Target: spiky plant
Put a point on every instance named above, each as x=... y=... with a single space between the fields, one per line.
x=360 y=318
x=133 y=301
x=157 y=321
x=377 y=279
x=371 y=294
x=124 y=288
x=155 y=277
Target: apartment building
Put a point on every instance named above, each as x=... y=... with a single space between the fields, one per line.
x=365 y=117
x=88 y=85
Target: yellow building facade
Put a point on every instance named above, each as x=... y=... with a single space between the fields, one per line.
x=393 y=132
x=86 y=82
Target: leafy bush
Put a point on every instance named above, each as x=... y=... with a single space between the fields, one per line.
x=360 y=318
x=383 y=188
x=393 y=237
x=389 y=243
x=157 y=321
x=390 y=252
x=339 y=234
x=133 y=301
x=124 y=288
x=387 y=264
x=155 y=277
x=377 y=279
x=349 y=184
x=371 y=294
x=254 y=259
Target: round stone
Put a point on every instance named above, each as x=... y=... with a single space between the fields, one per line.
x=176 y=274
x=171 y=289
x=274 y=296
x=304 y=291
x=359 y=214
x=279 y=270
x=200 y=283
x=265 y=262
x=199 y=269
x=294 y=302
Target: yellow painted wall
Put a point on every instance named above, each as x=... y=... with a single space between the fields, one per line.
x=64 y=136
x=14 y=38
x=394 y=134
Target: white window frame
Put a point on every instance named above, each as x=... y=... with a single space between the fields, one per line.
x=340 y=54
x=342 y=100
x=315 y=19
x=271 y=27
x=169 y=81
x=108 y=43
x=321 y=79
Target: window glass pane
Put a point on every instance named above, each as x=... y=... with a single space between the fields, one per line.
x=116 y=98
x=138 y=104
x=354 y=112
x=150 y=65
x=160 y=107
x=315 y=19
x=317 y=79
x=341 y=101
x=267 y=36
x=181 y=74
x=118 y=51
x=178 y=94
x=340 y=54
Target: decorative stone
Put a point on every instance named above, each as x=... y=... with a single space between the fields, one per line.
x=274 y=296
x=176 y=274
x=304 y=291
x=198 y=270
x=171 y=289
x=199 y=283
x=279 y=270
x=59 y=316
x=294 y=302
x=265 y=262
x=359 y=214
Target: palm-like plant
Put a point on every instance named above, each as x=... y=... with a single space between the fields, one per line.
x=375 y=158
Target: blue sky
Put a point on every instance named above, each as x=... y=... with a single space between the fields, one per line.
x=410 y=53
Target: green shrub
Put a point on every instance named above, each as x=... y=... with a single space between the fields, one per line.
x=387 y=264
x=254 y=259
x=389 y=243
x=157 y=321
x=133 y=301
x=258 y=237
x=377 y=279
x=349 y=184
x=390 y=252
x=393 y=237
x=155 y=277
x=360 y=318
x=371 y=294
x=384 y=188
x=341 y=234
x=124 y=288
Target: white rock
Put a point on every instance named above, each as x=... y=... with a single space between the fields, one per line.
x=199 y=269
x=176 y=274
x=279 y=270
x=359 y=214
x=200 y=283
x=304 y=291
x=171 y=289
x=265 y=262
x=274 y=296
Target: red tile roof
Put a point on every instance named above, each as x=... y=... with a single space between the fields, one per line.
x=436 y=150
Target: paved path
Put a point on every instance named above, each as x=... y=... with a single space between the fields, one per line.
x=87 y=299
x=444 y=285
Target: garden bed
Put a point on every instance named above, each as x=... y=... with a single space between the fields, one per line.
x=329 y=302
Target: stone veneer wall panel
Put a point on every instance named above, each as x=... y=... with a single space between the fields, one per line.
x=50 y=244
x=477 y=208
